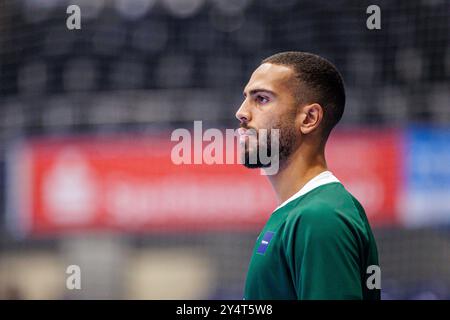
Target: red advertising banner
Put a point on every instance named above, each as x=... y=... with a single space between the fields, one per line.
x=130 y=184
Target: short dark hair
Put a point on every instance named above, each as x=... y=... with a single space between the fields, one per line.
x=322 y=78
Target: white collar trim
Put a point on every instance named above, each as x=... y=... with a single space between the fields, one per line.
x=319 y=180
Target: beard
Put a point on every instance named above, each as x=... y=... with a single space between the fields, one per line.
x=263 y=144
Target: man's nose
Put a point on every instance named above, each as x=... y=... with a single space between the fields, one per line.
x=243 y=114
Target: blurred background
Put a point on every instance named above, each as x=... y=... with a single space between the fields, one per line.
x=86 y=118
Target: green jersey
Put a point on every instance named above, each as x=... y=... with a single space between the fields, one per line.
x=316 y=245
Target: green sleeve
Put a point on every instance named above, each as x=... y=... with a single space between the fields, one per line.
x=322 y=254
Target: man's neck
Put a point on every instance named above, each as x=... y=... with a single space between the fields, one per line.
x=303 y=165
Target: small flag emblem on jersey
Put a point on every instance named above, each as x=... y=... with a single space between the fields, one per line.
x=265 y=242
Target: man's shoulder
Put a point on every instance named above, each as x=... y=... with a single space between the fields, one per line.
x=328 y=197
x=327 y=204
x=333 y=192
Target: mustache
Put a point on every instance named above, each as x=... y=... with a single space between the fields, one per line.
x=244 y=126
x=249 y=129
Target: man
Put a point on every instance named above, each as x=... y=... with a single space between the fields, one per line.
x=318 y=243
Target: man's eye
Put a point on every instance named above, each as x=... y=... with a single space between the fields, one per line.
x=262 y=99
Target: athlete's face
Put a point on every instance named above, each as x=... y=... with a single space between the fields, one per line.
x=269 y=103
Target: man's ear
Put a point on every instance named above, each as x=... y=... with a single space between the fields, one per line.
x=311 y=116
